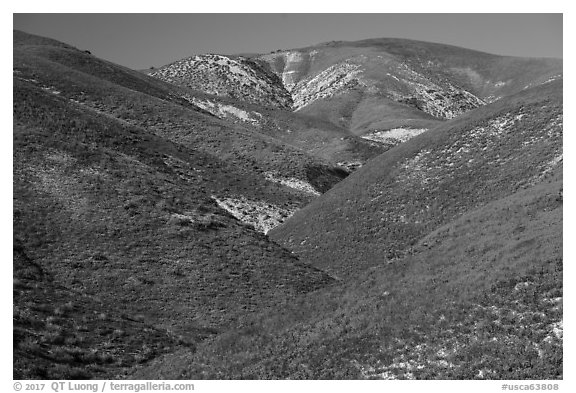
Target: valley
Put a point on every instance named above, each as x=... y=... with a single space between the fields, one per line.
x=377 y=209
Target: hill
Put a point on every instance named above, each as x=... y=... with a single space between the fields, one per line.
x=244 y=91
x=478 y=298
x=429 y=181
x=317 y=137
x=236 y=77
x=266 y=171
x=379 y=84
x=448 y=255
x=385 y=90
x=381 y=209
x=122 y=251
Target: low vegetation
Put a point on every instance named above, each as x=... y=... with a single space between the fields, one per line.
x=161 y=232
x=429 y=181
x=480 y=298
x=137 y=260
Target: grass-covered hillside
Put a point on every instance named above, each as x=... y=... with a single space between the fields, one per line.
x=379 y=212
x=395 y=221
x=169 y=112
x=478 y=298
x=340 y=90
x=319 y=138
x=121 y=251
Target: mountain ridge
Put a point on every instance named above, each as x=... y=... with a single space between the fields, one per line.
x=363 y=86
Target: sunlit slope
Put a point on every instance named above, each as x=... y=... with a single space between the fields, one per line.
x=264 y=167
x=478 y=298
x=379 y=212
x=385 y=83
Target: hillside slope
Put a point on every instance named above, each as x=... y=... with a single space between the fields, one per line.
x=420 y=187
x=122 y=251
x=428 y=181
x=65 y=334
x=379 y=84
x=235 y=77
x=384 y=90
x=319 y=138
x=479 y=298
x=265 y=171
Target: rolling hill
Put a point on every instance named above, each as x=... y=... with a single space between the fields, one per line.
x=479 y=298
x=121 y=243
x=288 y=177
x=384 y=90
x=430 y=180
x=385 y=83
x=219 y=87
x=380 y=209
x=448 y=254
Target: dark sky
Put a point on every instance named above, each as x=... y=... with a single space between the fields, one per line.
x=143 y=40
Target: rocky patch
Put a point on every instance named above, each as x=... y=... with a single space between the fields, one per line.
x=444 y=101
x=394 y=136
x=427 y=166
x=229 y=112
x=292 y=182
x=261 y=215
x=326 y=84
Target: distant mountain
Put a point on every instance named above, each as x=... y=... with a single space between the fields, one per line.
x=368 y=86
x=362 y=79
x=245 y=91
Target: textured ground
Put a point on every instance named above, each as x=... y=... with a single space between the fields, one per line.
x=202 y=223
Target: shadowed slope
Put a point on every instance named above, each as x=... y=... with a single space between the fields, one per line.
x=125 y=218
